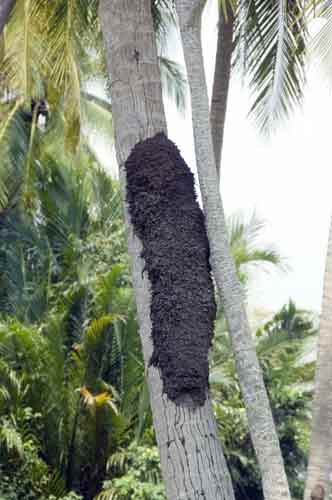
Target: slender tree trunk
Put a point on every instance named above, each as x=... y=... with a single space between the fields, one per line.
x=262 y=429
x=71 y=448
x=221 y=79
x=192 y=460
x=320 y=456
x=5 y=9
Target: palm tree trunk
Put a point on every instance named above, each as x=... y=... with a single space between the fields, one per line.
x=71 y=447
x=262 y=429
x=221 y=79
x=192 y=460
x=320 y=456
x=5 y=9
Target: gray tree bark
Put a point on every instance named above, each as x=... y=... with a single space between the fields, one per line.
x=192 y=461
x=261 y=424
x=5 y=9
x=221 y=79
x=320 y=456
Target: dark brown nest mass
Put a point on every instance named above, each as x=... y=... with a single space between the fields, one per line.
x=168 y=220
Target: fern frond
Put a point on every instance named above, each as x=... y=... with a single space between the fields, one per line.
x=10 y=438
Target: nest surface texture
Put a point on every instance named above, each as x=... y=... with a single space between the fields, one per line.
x=170 y=224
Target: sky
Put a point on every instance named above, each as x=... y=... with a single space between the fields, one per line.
x=286 y=179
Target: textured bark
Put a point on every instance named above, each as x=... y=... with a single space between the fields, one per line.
x=192 y=461
x=261 y=425
x=5 y=9
x=221 y=79
x=320 y=456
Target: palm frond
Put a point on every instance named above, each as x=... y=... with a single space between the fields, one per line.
x=143 y=410
x=23 y=63
x=105 y=198
x=12 y=387
x=173 y=82
x=321 y=45
x=11 y=438
x=273 y=35
x=220 y=376
x=55 y=486
x=97 y=402
x=163 y=16
x=97 y=115
x=246 y=249
x=290 y=329
x=65 y=72
x=96 y=330
x=13 y=141
x=107 y=289
x=225 y=6
x=6 y=120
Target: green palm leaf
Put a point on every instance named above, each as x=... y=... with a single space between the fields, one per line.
x=244 y=236
x=24 y=62
x=173 y=82
x=10 y=438
x=321 y=45
x=271 y=41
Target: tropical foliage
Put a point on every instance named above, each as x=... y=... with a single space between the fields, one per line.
x=282 y=344
x=54 y=50
x=135 y=473
x=74 y=408
x=74 y=405
x=68 y=341
x=271 y=41
x=66 y=302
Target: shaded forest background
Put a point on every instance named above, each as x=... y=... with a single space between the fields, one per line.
x=74 y=405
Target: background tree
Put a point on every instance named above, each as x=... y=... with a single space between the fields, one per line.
x=74 y=255
x=46 y=231
x=260 y=418
x=250 y=39
x=68 y=330
x=319 y=468
x=5 y=9
x=128 y=30
x=282 y=344
x=221 y=79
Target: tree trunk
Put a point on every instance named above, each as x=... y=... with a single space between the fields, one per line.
x=261 y=425
x=320 y=456
x=221 y=79
x=192 y=461
x=5 y=9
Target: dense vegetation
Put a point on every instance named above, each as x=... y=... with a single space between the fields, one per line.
x=74 y=406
